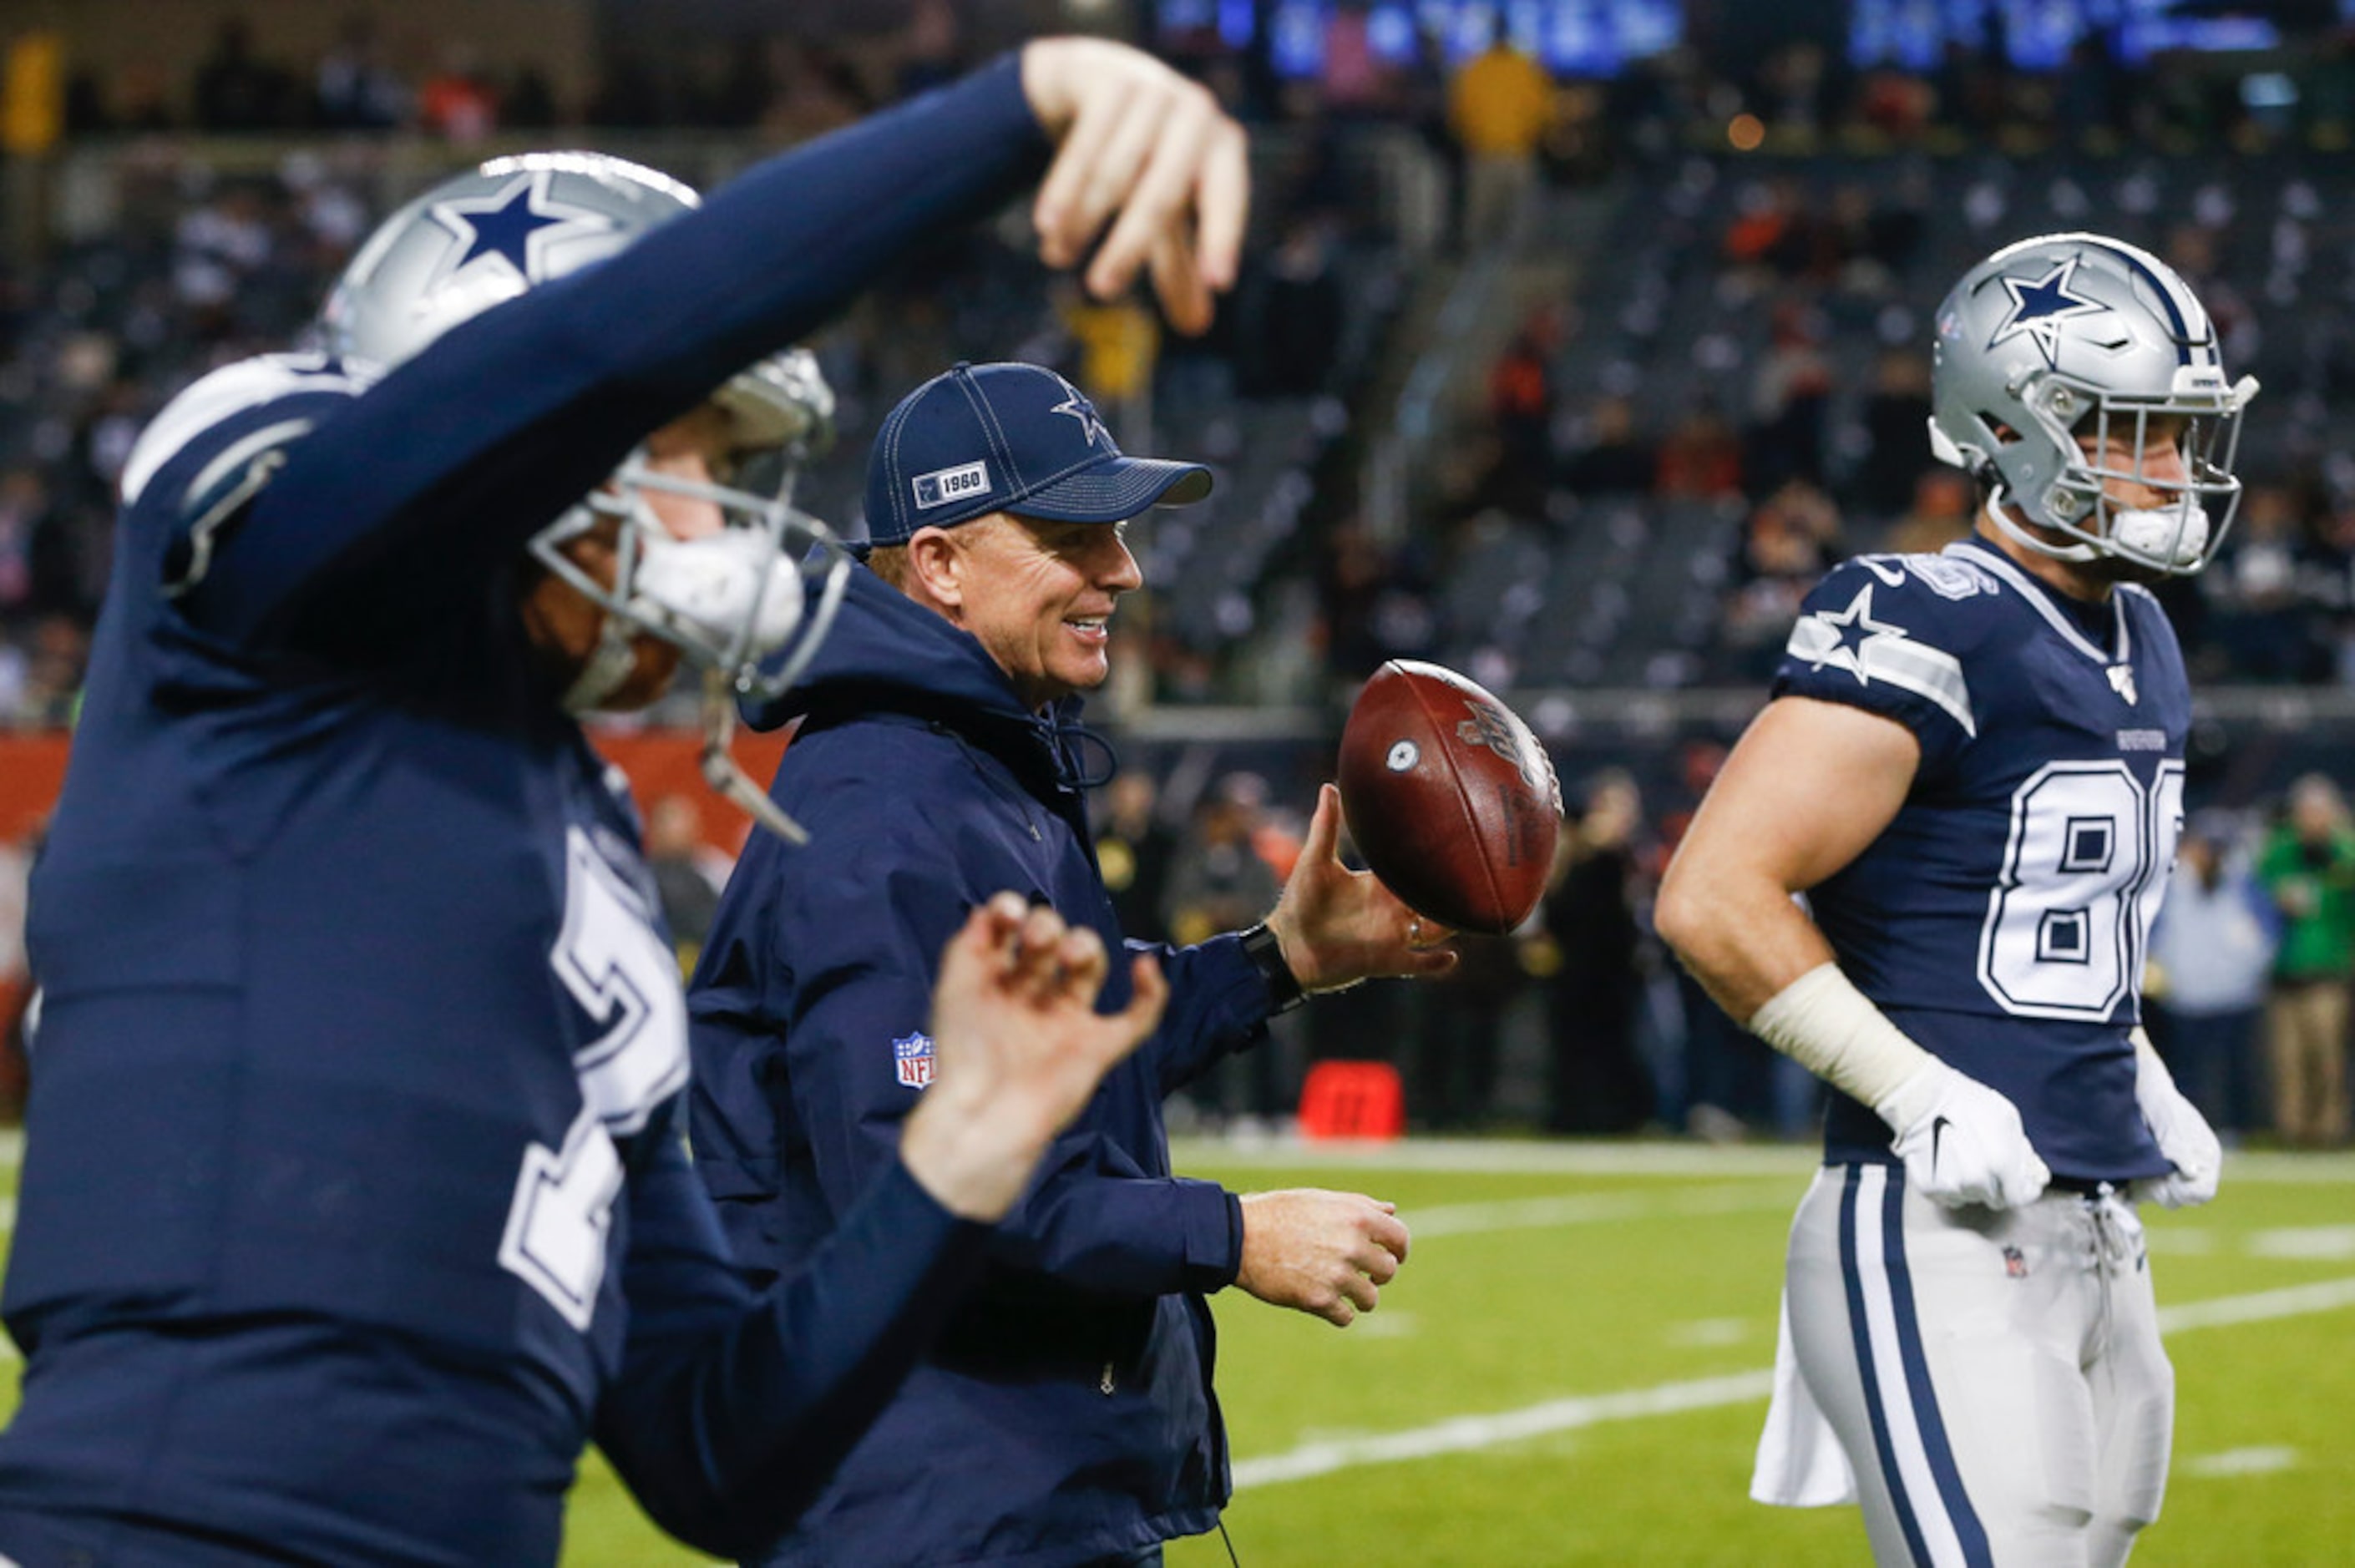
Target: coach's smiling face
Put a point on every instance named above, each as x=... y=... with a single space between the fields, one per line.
x=1039 y=594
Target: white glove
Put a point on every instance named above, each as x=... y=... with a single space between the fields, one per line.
x=1961 y=1141
x=2184 y=1137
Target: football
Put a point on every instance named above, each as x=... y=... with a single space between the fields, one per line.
x=1450 y=797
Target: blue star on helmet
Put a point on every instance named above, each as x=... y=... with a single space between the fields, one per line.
x=2039 y=309
x=1841 y=636
x=1078 y=406
x=514 y=226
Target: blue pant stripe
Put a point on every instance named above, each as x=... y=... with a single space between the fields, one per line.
x=1862 y=1332
x=1932 y=1427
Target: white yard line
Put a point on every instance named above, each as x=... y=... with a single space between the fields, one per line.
x=1591 y=1208
x=1657 y=1157
x=1467 y=1434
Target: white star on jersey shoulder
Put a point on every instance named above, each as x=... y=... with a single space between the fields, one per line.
x=1832 y=645
x=1872 y=650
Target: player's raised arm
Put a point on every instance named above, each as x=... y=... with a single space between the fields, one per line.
x=560 y=385
x=1150 y=153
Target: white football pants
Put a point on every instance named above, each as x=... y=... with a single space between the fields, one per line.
x=1994 y=1377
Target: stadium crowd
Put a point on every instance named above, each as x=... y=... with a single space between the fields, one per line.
x=1804 y=463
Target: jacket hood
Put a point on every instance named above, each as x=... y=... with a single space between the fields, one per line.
x=887 y=652
x=882 y=642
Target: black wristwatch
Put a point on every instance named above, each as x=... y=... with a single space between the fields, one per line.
x=1267 y=955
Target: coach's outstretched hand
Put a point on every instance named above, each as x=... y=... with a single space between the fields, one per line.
x=1337 y=926
x=1326 y=1254
x=1144 y=149
x=1020 y=1048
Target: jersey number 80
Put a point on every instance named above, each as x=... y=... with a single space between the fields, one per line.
x=2082 y=879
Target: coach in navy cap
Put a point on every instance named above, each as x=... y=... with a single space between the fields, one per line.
x=1009 y=438
x=1066 y=1416
x=995 y=496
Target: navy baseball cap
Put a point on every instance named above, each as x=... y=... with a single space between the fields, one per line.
x=1009 y=438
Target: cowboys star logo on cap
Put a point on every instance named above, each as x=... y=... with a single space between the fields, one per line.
x=2041 y=306
x=1078 y=406
x=513 y=227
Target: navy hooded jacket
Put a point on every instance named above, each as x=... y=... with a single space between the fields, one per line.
x=1066 y=1412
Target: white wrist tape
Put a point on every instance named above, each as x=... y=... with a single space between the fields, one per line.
x=1828 y=1027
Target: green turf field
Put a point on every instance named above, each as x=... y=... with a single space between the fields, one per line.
x=1572 y=1368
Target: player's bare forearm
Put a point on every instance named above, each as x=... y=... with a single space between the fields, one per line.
x=1810 y=785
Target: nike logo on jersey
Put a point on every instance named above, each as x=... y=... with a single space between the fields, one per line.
x=2122 y=682
x=1937 y=1135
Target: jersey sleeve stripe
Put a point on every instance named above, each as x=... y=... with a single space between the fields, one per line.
x=1928 y=673
x=222 y=395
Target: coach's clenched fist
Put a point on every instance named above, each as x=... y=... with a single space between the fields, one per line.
x=1328 y=1254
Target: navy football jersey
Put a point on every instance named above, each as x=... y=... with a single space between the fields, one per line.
x=355 y=1112
x=2001 y=919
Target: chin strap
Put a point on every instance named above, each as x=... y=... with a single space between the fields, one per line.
x=2013 y=529
x=608 y=665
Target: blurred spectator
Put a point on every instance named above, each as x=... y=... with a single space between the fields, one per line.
x=217 y=248
x=355 y=89
x=1372 y=605
x=1597 y=1082
x=457 y=102
x=1944 y=509
x=24 y=512
x=1289 y=315
x=686 y=884
x=1771 y=233
x=1219 y=882
x=1520 y=411
x=1700 y=459
x=1457 y=1035
x=1498 y=108
x=1133 y=847
x=2259 y=610
x=1896 y=414
x=932 y=51
x=1788 y=542
x=1610 y=460
x=2307 y=864
x=15 y=977
x=53 y=669
x=236 y=91
x=1789 y=394
x=2211 y=952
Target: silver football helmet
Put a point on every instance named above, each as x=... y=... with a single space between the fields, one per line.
x=749 y=605
x=2072 y=338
